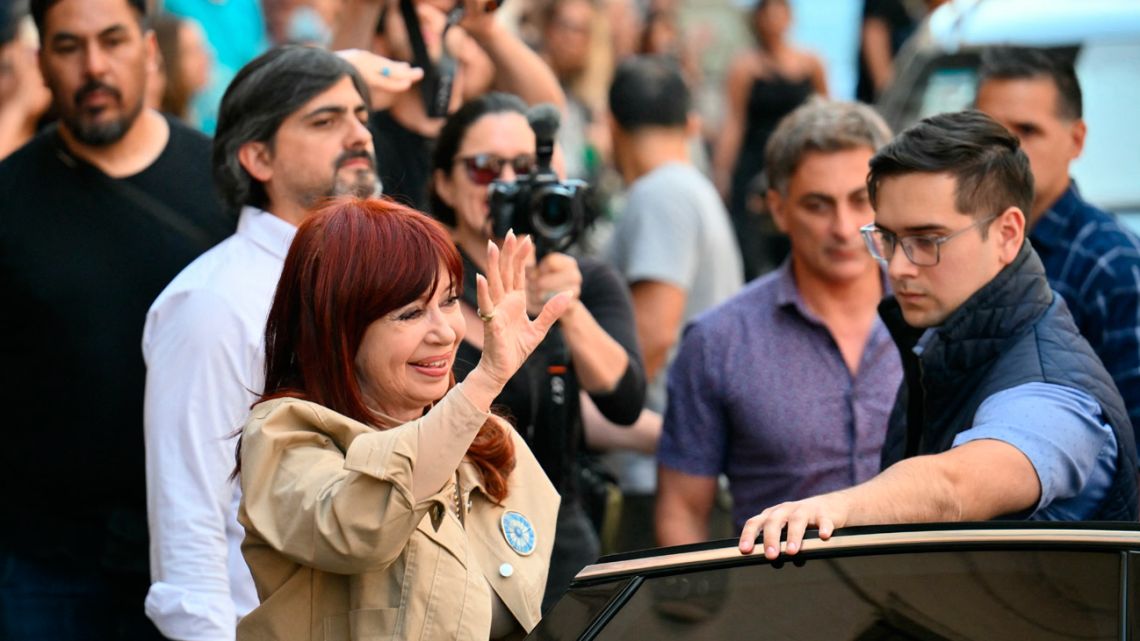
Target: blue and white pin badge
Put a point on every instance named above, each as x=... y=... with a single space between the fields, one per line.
x=518 y=532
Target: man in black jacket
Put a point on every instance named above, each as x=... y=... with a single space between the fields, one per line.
x=1005 y=410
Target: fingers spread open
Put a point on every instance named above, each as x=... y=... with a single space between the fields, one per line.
x=494 y=276
x=483 y=294
x=506 y=262
x=526 y=248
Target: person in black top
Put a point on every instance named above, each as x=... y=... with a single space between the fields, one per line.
x=764 y=83
x=593 y=348
x=97 y=215
x=886 y=27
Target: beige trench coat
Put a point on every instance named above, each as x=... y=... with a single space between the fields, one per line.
x=339 y=550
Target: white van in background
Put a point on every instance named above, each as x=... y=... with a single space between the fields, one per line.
x=937 y=72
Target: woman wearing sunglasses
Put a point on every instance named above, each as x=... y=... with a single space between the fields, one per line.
x=593 y=349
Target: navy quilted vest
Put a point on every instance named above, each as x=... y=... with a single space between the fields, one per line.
x=1012 y=331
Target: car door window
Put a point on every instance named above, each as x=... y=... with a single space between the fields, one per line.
x=965 y=595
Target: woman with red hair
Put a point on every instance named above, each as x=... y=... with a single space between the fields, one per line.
x=379 y=498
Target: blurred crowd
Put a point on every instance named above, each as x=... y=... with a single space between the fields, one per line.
x=721 y=47
x=720 y=351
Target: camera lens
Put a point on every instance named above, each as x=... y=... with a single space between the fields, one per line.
x=553 y=211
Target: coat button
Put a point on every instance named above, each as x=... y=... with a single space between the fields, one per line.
x=506 y=570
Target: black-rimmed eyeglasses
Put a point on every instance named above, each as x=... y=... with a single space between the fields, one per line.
x=923 y=251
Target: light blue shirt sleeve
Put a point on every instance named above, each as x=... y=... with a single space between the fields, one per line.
x=1063 y=433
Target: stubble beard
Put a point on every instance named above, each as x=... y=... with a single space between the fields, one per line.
x=362 y=183
x=101 y=134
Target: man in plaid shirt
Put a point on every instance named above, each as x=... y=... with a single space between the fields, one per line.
x=1089 y=257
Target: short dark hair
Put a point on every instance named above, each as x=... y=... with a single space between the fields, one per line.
x=451 y=138
x=1027 y=63
x=990 y=169
x=649 y=91
x=39 y=9
x=261 y=96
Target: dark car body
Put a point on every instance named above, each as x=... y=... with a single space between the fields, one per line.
x=933 y=583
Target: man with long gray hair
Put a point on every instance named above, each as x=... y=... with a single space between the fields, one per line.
x=786 y=388
x=291 y=132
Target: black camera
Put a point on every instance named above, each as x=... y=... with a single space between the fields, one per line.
x=553 y=212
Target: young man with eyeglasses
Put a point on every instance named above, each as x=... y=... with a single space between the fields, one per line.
x=1005 y=411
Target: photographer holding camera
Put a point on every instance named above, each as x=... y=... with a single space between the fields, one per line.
x=594 y=346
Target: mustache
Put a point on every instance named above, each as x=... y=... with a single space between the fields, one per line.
x=353 y=155
x=94 y=85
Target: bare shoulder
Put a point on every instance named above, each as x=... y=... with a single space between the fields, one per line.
x=810 y=63
x=745 y=66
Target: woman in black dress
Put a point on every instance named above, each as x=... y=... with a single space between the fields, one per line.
x=764 y=84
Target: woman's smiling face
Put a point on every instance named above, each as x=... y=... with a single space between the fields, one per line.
x=405 y=358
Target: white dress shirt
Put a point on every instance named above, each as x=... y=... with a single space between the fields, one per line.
x=204 y=349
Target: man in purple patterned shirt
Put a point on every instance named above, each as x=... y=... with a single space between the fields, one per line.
x=786 y=388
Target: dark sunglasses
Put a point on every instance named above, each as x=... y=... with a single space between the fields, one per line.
x=483 y=169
